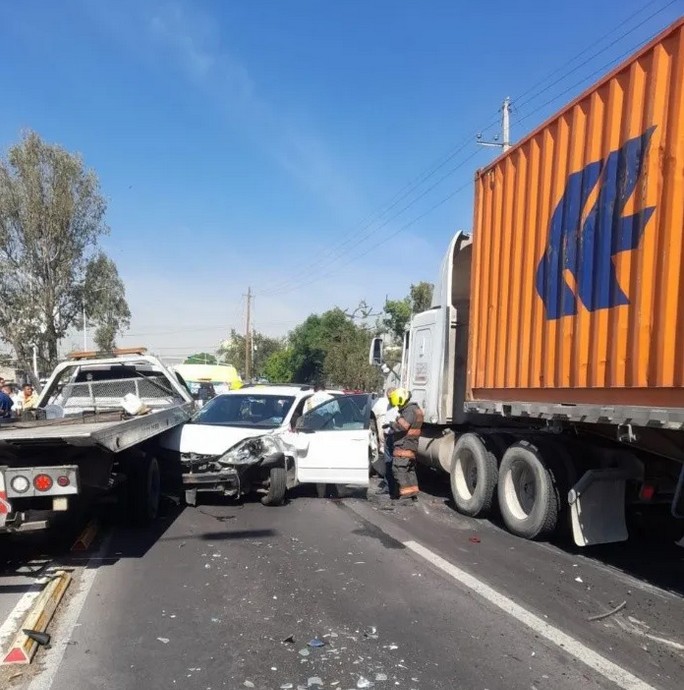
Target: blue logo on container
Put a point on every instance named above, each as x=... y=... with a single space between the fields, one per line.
x=586 y=249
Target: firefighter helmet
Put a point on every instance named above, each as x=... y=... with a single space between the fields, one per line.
x=399 y=397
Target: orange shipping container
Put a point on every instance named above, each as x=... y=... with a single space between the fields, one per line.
x=577 y=292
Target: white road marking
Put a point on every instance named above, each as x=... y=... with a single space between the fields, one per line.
x=52 y=658
x=9 y=628
x=589 y=657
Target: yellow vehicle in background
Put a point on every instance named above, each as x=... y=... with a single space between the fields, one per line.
x=207 y=380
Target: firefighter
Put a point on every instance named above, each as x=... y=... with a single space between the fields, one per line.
x=405 y=434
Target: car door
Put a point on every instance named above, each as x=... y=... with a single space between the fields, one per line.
x=333 y=442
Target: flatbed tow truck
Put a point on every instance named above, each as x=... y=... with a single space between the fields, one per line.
x=92 y=435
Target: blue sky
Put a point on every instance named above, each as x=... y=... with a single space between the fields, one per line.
x=241 y=143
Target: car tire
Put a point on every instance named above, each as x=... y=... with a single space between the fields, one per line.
x=144 y=489
x=474 y=474
x=528 y=494
x=277 y=487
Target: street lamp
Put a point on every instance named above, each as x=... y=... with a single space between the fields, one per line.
x=85 y=324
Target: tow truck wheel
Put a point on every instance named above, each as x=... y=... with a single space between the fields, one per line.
x=528 y=496
x=277 y=486
x=144 y=489
x=474 y=474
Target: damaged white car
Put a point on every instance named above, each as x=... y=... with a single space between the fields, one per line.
x=331 y=444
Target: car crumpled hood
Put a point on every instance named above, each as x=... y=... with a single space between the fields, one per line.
x=206 y=439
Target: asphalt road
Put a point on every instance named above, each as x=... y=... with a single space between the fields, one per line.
x=229 y=596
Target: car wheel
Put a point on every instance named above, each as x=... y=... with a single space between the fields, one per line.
x=277 y=487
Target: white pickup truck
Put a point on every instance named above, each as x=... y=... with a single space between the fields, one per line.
x=94 y=431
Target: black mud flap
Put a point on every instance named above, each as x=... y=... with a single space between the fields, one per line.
x=678 y=502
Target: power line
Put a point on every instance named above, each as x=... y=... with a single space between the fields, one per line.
x=323 y=267
x=376 y=216
x=590 y=47
x=404 y=227
x=284 y=286
x=597 y=53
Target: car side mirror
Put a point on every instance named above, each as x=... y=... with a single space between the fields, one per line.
x=375 y=355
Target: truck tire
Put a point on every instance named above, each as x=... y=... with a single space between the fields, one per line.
x=144 y=489
x=527 y=491
x=277 y=487
x=473 y=476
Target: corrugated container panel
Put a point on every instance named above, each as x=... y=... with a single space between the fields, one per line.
x=577 y=288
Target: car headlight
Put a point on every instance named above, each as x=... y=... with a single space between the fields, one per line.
x=251 y=450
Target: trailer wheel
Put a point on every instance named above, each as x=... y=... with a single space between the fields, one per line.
x=144 y=489
x=473 y=476
x=277 y=486
x=528 y=497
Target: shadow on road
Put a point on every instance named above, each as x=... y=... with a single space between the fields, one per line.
x=233 y=535
x=650 y=554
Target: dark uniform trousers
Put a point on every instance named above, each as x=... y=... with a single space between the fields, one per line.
x=406 y=431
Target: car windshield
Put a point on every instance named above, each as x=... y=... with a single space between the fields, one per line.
x=246 y=410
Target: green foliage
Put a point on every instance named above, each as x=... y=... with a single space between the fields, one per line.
x=397 y=313
x=331 y=348
x=421 y=296
x=263 y=348
x=51 y=219
x=278 y=367
x=201 y=358
x=105 y=301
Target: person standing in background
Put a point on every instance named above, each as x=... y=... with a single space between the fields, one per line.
x=28 y=400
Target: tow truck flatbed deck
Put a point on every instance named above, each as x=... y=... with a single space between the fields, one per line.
x=107 y=430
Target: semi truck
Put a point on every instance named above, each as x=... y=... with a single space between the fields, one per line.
x=550 y=365
x=93 y=435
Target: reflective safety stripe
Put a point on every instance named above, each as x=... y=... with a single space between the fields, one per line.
x=404 y=453
x=403 y=423
x=413 y=433
x=409 y=490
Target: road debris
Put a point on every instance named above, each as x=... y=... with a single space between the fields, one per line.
x=163 y=640
x=363 y=683
x=314 y=680
x=474 y=539
x=579 y=579
x=304 y=652
x=316 y=642
x=42 y=638
x=613 y=611
x=288 y=640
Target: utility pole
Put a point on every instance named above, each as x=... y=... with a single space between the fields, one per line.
x=505 y=142
x=248 y=335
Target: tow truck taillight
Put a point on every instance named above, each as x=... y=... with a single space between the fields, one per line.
x=647 y=492
x=42 y=482
x=20 y=484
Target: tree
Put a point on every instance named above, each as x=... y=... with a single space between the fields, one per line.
x=105 y=301
x=333 y=349
x=397 y=313
x=263 y=347
x=421 y=296
x=201 y=358
x=278 y=367
x=51 y=219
